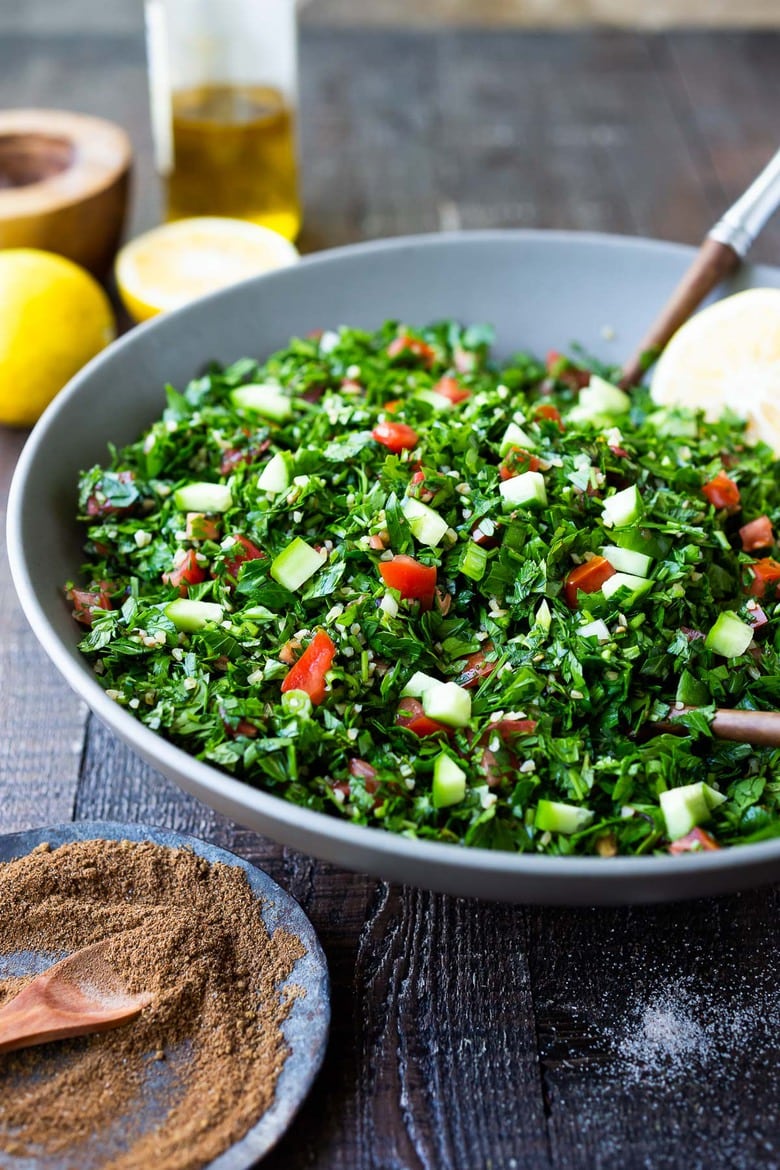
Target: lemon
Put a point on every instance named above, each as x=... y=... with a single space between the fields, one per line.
x=54 y=317
x=173 y=264
x=728 y=355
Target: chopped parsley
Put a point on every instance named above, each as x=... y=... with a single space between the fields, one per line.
x=386 y=578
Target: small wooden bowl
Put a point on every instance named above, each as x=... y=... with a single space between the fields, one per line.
x=63 y=185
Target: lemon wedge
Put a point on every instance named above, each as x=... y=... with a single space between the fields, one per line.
x=728 y=356
x=180 y=261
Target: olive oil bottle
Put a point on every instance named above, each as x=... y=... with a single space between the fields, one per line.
x=234 y=154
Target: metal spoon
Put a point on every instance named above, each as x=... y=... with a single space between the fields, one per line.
x=79 y=995
x=723 y=250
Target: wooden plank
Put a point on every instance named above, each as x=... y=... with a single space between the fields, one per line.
x=657 y=1031
x=727 y=94
x=37 y=780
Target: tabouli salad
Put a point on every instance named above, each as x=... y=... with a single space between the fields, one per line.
x=385 y=577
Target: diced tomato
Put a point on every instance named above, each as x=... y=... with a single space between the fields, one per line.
x=362 y=770
x=517 y=461
x=243 y=550
x=395 y=436
x=85 y=602
x=393 y=405
x=242 y=727
x=415 y=582
x=403 y=345
x=755 y=615
x=309 y=671
x=315 y=392
x=766 y=573
x=410 y=714
x=696 y=841
x=757 y=534
x=201 y=527
x=560 y=367
x=98 y=507
x=376 y=542
x=722 y=492
x=477 y=667
x=508 y=728
x=489 y=539
x=619 y=451
x=587 y=578
x=550 y=412
x=235 y=457
x=451 y=389
x=188 y=572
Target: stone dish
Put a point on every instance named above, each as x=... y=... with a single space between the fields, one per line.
x=305 y=1029
x=541 y=290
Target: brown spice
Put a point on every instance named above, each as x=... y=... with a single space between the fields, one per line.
x=191 y=933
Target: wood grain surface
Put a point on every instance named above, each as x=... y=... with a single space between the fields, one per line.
x=468 y=1036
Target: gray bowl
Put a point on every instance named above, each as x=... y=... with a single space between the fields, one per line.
x=542 y=290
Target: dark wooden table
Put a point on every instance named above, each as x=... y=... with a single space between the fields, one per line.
x=465 y=1034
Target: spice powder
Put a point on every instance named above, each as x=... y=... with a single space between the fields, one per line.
x=191 y=933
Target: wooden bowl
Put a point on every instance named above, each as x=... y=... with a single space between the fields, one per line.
x=63 y=185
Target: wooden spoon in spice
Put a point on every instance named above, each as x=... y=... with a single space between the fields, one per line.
x=77 y=996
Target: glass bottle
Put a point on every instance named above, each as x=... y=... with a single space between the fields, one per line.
x=223 y=92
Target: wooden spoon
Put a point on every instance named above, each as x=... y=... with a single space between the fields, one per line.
x=723 y=250
x=760 y=728
x=81 y=994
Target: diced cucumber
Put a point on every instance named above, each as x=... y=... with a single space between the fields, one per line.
x=449 y=782
x=389 y=605
x=685 y=808
x=543 y=617
x=600 y=401
x=190 y=616
x=597 y=629
x=427 y=525
x=258 y=613
x=526 y=490
x=552 y=816
x=729 y=637
x=418 y=684
x=625 y=560
x=515 y=436
x=673 y=424
x=643 y=540
x=623 y=508
x=297 y=703
x=609 y=398
x=625 y=588
x=691 y=692
x=447 y=703
x=203 y=497
x=295 y=564
x=263 y=399
x=437 y=401
x=473 y=561
x=275 y=476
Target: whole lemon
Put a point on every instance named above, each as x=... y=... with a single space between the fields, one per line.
x=54 y=317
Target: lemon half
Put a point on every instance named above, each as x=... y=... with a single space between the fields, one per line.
x=54 y=317
x=180 y=261
x=728 y=355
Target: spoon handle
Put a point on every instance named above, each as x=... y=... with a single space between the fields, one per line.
x=760 y=728
x=722 y=251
